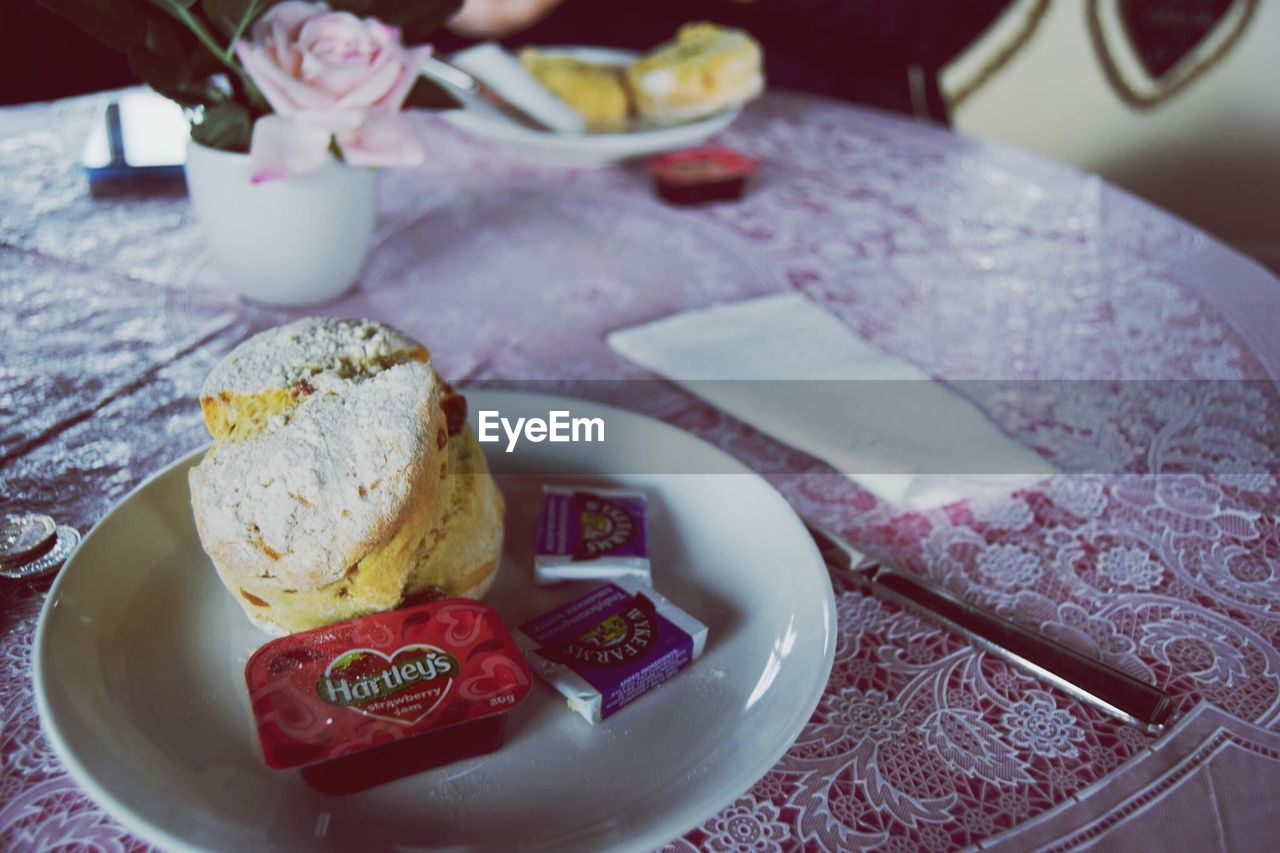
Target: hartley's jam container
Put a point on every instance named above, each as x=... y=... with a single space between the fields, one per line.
x=377 y=698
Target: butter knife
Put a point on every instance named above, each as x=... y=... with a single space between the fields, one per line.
x=470 y=86
x=1091 y=681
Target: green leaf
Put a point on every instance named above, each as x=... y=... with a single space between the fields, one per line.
x=173 y=62
x=167 y=44
x=171 y=80
x=224 y=126
x=166 y=37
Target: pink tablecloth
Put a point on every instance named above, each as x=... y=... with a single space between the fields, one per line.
x=964 y=257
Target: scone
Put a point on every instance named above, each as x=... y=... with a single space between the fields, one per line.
x=703 y=70
x=597 y=92
x=342 y=479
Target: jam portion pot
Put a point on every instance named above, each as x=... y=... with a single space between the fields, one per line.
x=701 y=175
x=364 y=702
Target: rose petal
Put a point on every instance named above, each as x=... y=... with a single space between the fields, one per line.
x=285 y=94
x=284 y=149
x=394 y=99
x=380 y=82
x=334 y=120
x=280 y=50
x=337 y=35
x=383 y=140
x=337 y=80
x=289 y=15
x=329 y=71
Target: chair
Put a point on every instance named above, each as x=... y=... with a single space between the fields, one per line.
x=1175 y=100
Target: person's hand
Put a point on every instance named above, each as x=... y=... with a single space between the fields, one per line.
x=498 y=18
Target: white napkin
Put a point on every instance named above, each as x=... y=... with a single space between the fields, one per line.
x=911 y=442
x=503 y=73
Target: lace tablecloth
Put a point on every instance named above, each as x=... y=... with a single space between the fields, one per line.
x=965 y=257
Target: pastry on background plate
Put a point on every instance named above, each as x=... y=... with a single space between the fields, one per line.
x=342 y=477
x=703 y=70
x=597 y=92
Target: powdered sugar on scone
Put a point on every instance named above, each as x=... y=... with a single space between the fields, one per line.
x=319 y=350
x=303 y=501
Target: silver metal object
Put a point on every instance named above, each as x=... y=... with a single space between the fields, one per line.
x=25 y=537
x=471 y=86
x=32 y=563
x=1089 y=680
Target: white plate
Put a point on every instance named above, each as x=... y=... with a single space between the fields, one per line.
x=140 y=651
x=589 y=148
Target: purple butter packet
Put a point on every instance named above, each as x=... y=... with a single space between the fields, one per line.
x=611 y=646
x=591 y=535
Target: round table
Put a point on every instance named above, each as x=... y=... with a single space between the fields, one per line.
x=965 y=257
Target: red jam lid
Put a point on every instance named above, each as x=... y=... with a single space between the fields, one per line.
x=345 y=688
x=696 y=165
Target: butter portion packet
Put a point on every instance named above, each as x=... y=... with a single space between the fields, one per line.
x=600 y=534
x=607 y=648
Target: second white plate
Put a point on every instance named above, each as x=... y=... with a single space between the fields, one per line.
x=589 y=148
x=140 y=651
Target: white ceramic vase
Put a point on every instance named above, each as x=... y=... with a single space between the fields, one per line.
x=292 y=241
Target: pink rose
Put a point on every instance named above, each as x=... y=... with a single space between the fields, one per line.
x=329 y=76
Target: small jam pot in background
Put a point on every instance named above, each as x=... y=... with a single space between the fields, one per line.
x=371 y=700
x=701 y=175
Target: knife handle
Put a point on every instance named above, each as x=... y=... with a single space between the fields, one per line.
x=1081 y=676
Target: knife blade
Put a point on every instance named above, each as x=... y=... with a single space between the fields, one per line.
x=1080 y=676
x=468 y=85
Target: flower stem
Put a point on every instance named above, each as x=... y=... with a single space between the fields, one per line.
x=240 y=28
x=223 y=55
